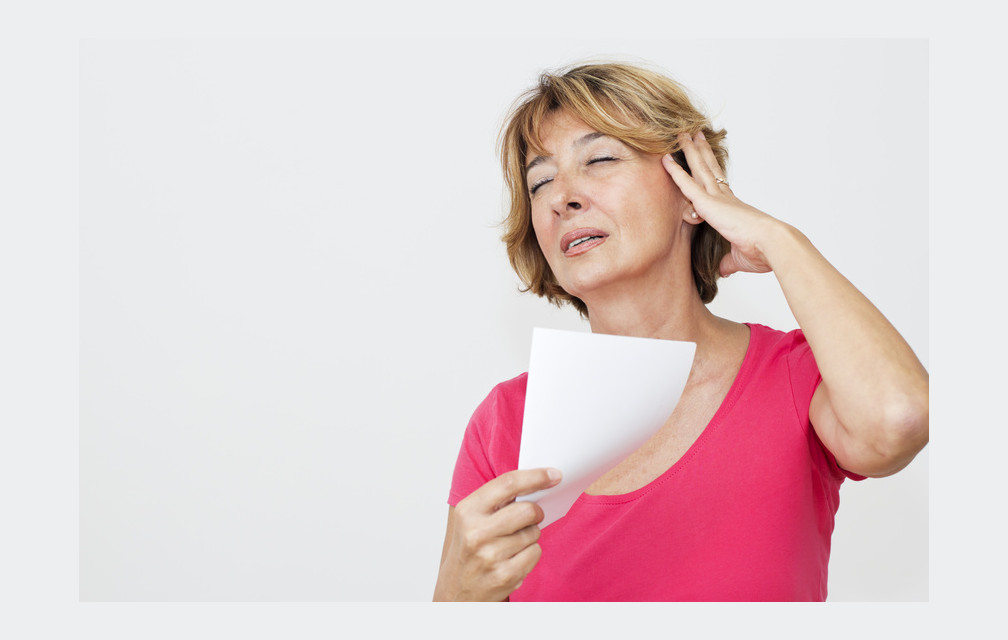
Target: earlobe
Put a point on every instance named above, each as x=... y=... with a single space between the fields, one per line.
x=690 y=216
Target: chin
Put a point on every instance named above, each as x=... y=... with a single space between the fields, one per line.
x=583 y=284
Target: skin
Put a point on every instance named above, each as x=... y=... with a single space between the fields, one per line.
x=870 y=410
x=492 y=540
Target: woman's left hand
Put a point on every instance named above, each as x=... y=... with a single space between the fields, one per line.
x=745 y=227
x=871 y=408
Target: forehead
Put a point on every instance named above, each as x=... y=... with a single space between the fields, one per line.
x=555 y=132
x=557 y=123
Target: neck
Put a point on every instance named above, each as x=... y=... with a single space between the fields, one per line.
x=720 y=343
x=665 y=313
x=660 y=302
x=667 y=310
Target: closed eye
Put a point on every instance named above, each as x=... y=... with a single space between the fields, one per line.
x=538 y=183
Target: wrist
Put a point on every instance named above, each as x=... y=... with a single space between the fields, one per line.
x=780 y=243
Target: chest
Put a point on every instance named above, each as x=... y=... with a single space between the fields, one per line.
x=697 y=406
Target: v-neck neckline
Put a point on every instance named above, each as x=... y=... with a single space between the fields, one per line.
x=734 y=391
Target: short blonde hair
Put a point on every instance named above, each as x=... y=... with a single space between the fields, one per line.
x=644 y=109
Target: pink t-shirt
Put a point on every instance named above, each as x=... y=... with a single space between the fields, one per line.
x=746 y=513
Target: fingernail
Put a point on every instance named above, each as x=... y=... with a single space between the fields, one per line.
x=554 y=474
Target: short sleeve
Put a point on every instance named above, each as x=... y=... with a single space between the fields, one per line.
x=492 y=439
x=805 y=379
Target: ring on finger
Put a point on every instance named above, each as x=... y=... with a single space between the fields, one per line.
x=722 y=181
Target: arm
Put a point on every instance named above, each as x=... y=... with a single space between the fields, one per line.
x=871 y=409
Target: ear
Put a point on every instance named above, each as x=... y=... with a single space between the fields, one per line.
x=689 y=214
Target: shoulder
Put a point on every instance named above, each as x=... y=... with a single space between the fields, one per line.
x=514 y=387
x=506 y=397
x=773 y=346
x=774 y=339
x=497 y=421
x=492 y=439
x=781 y=364
x=788 y=358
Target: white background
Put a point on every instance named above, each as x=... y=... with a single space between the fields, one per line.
x=39 y=329
x=293 y=293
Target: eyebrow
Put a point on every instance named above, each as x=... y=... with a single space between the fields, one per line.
x=580 y=142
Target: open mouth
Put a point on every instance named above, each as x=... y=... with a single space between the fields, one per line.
x=581 y=240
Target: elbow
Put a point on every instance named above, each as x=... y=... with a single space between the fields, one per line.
x=908 y=420
x=904 y=432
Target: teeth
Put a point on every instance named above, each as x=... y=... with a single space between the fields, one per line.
x=580 y=240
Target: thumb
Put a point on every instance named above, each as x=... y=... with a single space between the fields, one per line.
x=729 y=265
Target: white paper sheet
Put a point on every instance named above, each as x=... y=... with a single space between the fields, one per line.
x=591 y=401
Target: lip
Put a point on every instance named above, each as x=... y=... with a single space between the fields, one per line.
x=584 y=246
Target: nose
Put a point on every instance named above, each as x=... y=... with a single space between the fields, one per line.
x=568 y=197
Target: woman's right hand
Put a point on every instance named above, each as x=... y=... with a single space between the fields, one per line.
x=492 y=540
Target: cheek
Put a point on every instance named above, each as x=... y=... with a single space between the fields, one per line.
x=674 y=197
x=540 y=225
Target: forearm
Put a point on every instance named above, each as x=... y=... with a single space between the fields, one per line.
x=871 y=409
x=877 y=388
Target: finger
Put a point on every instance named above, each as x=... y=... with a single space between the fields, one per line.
x=514 y=517
x=686 y=184
x=698 y=166
x=709 y=158
x=512 y=545
x=508 y=486
x=522 y=563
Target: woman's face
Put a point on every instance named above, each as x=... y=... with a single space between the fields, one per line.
x=603 y=213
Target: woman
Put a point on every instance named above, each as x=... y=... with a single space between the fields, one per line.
x=620 y=207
